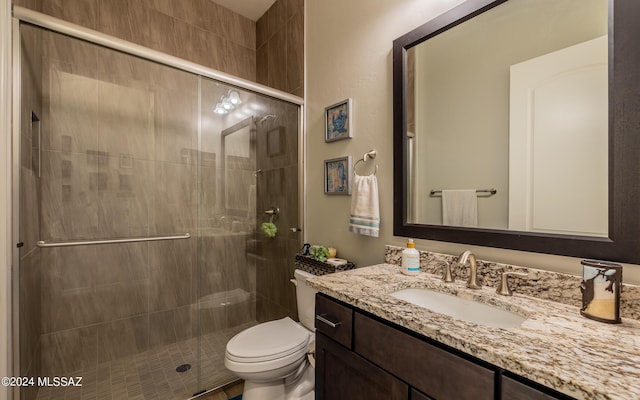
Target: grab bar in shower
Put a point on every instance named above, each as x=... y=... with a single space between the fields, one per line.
x=43 y=243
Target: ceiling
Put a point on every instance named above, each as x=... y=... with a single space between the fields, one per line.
x=252 y=9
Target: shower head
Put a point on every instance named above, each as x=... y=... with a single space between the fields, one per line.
x=264 y=119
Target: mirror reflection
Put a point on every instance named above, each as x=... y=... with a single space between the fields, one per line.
x=239 y=166
x=507 y=120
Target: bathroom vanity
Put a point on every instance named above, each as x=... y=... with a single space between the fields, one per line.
x=354 y=351
x=372 y=345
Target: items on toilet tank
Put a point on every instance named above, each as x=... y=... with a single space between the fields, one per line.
x=410 y=259
x=332 y=252
x=601 y=287
x=336 y=262
x=318 y=260
x=319 y=252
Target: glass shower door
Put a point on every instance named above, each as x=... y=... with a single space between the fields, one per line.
x=118 y=147
x=113 y=159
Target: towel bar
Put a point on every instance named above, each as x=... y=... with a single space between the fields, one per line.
x=43 y=243
x=489 y=192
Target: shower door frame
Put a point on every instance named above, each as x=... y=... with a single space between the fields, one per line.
x=21 y=14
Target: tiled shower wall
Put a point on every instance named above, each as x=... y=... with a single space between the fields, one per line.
x=196 y=30
x=280 y=47
x=277 y=157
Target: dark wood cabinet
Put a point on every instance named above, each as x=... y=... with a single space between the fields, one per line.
x=343 y=375
x=359 y=356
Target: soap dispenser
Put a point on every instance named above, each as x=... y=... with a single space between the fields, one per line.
x=410 y=259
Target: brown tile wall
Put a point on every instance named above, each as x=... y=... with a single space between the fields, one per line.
x=280 y=47
x=196 y=30
x=277 y=157
x=280 y=64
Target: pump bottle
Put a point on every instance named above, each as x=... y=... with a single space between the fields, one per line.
x=410 y=259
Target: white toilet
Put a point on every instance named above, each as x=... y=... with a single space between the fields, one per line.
x=272 y=357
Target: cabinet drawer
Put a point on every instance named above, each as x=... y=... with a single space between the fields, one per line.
x=430 y=369
x=514 y=390
x=334 y=320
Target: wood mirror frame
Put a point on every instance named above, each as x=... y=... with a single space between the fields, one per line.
x=623 y=241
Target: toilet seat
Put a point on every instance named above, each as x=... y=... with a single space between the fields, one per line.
x=269 y=341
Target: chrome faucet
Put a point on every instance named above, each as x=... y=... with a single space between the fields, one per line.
x=472 y=283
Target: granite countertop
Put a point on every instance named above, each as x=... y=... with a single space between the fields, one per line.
x=555 y=346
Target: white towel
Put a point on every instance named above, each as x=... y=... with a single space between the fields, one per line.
x=460 y=208
x=365 y=206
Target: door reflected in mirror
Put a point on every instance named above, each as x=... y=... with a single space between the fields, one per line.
x=516 y=100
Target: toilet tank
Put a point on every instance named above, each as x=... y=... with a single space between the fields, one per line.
x=306 y=297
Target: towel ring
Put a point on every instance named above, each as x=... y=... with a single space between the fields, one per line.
x=369 y=154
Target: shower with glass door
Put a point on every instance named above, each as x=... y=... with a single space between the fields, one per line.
x=141 y=190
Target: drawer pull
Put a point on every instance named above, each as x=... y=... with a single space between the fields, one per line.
x=332 y=324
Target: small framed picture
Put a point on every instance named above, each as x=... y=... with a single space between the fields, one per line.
x=337 y=176
x=337 y=121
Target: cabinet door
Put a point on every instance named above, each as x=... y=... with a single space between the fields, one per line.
x=432 y=370
x=343 y=375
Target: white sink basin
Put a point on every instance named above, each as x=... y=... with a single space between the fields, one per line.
x=459 y=308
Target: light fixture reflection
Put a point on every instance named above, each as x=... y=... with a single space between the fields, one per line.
x=228 y=102
x=234 y=98
x=220 y=109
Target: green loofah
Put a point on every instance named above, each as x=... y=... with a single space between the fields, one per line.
x=269 y=229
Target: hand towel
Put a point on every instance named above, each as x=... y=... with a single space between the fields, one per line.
x=460 y=208
x=365 y=206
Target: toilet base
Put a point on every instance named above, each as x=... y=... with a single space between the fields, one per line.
x=264 y=390
x=301 y=388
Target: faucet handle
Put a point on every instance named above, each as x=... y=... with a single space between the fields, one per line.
x=447 y=276
x=503 y=286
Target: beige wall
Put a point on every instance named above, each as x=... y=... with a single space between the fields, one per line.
x=349 y=55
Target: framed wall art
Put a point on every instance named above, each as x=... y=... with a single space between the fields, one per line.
x=337 y=176
x=337 y=121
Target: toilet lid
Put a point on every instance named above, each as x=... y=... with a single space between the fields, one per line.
x=268 y=341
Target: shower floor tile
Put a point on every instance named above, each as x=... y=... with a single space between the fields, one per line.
x=151 y=375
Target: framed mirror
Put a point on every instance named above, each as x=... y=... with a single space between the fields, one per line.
x=534 y=107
